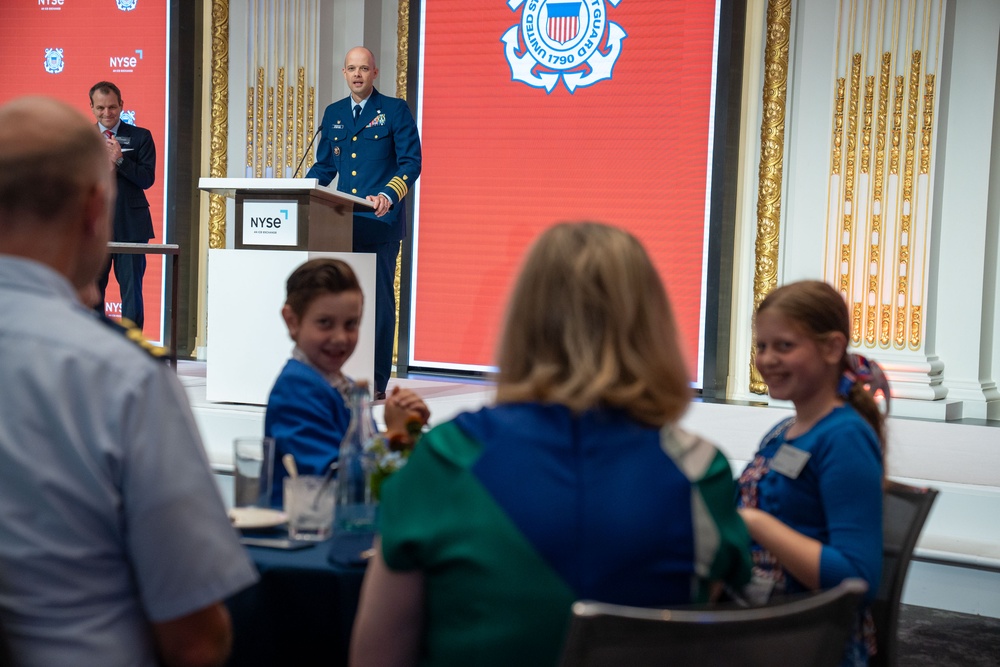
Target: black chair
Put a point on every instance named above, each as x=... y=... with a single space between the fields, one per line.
x=5 y=659
x=904 y=511
x=809 y=630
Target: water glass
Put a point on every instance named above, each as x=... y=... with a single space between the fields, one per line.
x=253 y=461
x=309 y=506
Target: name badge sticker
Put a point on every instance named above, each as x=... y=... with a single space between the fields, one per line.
x=789 y=461
x=759 y=590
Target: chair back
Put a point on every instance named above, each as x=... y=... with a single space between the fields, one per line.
x=904 y=511
x=5 y=659
x=810 y=630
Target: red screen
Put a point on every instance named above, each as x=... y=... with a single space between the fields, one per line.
x=60 y=48
x=504 y=157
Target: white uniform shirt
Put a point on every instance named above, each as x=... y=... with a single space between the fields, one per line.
x=109 y=516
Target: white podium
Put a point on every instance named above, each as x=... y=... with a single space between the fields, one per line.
x=248 y=342
x=289 y=213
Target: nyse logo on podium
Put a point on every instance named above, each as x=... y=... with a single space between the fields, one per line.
x=270 y=223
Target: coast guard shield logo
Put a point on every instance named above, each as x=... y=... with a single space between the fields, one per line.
x=568 y=40
x=54 y=61
x=128 y=117
x=127 y=5
x=564 y=21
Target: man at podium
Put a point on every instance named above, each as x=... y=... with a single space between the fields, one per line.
x=371 y=141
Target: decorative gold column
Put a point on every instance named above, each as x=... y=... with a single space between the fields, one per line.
x=772 y=147
x=220 y=120
x=402 y=62
x=880 y=186
x=278 y=111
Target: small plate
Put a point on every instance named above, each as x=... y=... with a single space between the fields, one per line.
x=256 y=517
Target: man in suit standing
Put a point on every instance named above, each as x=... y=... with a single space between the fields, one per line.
x=371 y=141
x=132 y=156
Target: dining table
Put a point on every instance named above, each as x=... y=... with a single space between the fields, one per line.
x=302 y=609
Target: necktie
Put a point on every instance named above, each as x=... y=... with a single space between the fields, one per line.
x=109 y=134
x=357 y=112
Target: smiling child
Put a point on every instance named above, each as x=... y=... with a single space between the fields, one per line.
x=307 y=414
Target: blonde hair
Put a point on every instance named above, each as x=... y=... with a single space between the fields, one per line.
x=589 y=324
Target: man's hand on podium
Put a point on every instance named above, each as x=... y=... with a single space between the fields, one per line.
x=381 y=203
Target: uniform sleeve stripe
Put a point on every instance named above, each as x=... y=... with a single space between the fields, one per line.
x=398 y=185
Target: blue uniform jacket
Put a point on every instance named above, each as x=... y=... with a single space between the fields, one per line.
x=379 y=153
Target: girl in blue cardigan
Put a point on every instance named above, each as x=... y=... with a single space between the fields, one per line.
x=812 y=496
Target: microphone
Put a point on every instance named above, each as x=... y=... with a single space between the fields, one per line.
x=308 y=148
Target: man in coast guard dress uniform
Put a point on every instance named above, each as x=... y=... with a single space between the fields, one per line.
x=371 y=141
x=132 y=155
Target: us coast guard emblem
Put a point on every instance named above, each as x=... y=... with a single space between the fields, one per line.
x=570 y=40
x=54 y=61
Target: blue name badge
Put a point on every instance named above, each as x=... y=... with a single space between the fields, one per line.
x=789 y=461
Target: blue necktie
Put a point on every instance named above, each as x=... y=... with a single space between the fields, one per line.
x=357 y=112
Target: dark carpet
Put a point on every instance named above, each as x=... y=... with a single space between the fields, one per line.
x=938 y=638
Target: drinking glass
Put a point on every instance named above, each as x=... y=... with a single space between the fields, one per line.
x=309 y=506
x=253 y=460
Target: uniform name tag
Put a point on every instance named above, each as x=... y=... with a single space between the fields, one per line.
x=124 y=141
x=789 y=461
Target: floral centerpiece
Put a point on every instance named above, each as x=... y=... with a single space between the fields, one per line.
x=390 y=452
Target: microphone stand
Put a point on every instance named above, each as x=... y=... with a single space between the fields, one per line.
x=308 y=148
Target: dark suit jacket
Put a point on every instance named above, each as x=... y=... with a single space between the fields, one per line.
x=133 y=223
x=379 y=153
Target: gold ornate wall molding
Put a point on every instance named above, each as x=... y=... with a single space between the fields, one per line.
x=880 y=182
x=402 y=47
x=402 y=63
x=772 y=148
x=220 y=120
x=282 y=40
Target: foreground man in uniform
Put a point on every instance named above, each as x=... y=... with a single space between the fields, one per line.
x=115 y=548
